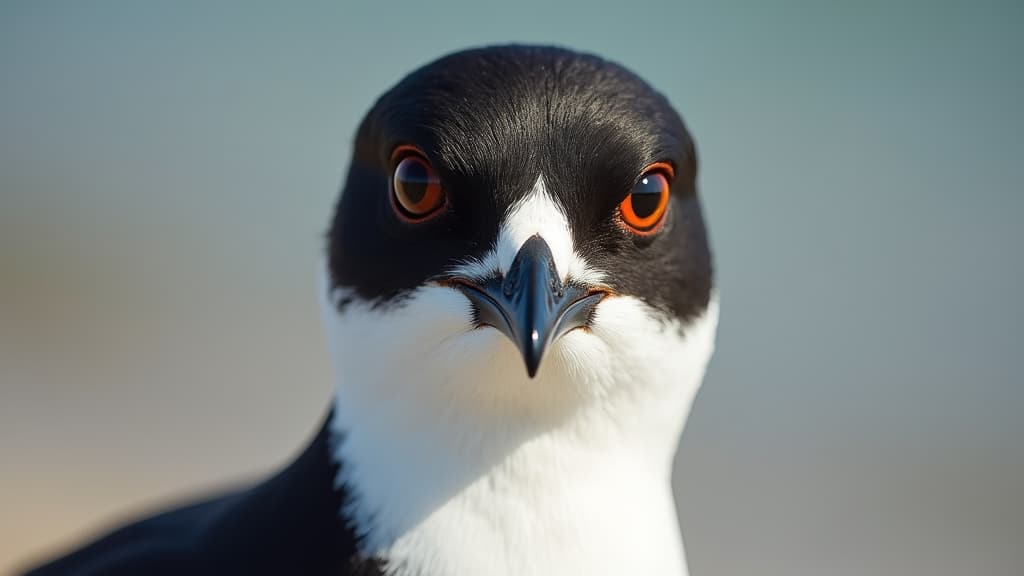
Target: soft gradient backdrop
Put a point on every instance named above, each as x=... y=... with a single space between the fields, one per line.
x=167 y=170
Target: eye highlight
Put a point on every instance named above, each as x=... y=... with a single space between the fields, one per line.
x=643 y=210
x=416 y=190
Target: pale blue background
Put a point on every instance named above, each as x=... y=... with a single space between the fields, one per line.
x=166 y=171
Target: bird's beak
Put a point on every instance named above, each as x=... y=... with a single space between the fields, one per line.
x=530 y=304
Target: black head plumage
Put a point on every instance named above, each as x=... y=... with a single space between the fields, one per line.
x=491 y=121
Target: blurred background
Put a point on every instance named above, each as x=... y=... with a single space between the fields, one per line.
x=167 y=171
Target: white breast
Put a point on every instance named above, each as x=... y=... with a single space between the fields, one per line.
x=559 y=514
x=460 y=464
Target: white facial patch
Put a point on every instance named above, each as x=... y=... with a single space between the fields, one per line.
x=536 y=214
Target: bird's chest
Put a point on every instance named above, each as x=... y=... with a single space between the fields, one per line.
x=616 y=524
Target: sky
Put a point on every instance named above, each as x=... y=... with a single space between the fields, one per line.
x=167 y=172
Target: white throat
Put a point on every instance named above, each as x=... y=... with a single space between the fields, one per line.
x=461 y=464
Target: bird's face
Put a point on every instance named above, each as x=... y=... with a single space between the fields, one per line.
x=519 y=236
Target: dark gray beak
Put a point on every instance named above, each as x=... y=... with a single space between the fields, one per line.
x=530 y=304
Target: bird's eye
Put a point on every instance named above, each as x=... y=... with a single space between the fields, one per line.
x=415 y=187
x=643 y=211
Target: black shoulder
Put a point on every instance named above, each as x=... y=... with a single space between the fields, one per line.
x=289 y=524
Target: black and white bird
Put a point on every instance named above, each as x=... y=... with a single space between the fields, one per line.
x=519 y=300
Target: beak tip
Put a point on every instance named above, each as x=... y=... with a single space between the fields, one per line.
x=532 y=356
x=531 y=370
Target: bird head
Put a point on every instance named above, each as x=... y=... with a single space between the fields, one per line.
x=518 y=241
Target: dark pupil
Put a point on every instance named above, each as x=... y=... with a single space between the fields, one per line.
x=646 y=196
x=414 y=177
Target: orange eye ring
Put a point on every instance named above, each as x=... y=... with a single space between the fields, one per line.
x=416 y=191
x=643 y=210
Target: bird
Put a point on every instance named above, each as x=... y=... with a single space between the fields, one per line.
x=519 y=301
